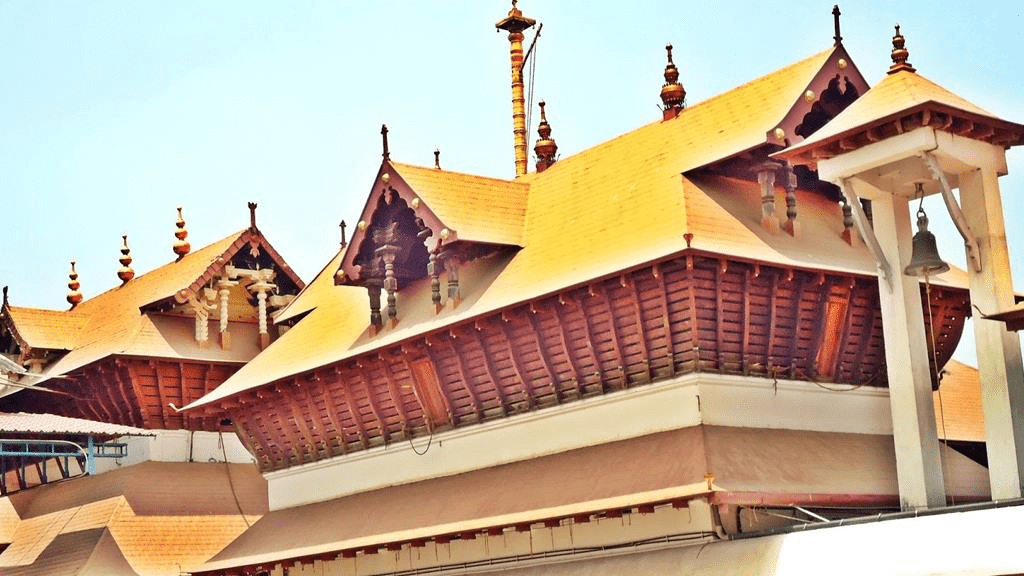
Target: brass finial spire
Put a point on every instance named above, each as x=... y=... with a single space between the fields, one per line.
x=344 y=242
x=835 y=16
x=181 y=246
x=252 y=215
x=545 y=147
x=515 y=23
x=673 y=95
x=900 y=54
x=437 y=158
x=125 y=272
x=74 y=296
x=384 y=139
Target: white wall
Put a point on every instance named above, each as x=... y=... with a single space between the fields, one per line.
x=178 y=446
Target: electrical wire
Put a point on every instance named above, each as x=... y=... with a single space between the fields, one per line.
x=231 y=483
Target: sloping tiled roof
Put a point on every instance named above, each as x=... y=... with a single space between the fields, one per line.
x=619 y=204
x=113 y=322
x=456 y=199
x=49 y=329
x=320 y=289
x=893 y=96
x=149 y=527
x=21 y=422
x=635 y=471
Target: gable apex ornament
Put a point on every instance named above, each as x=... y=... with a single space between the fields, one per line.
x=900 y=54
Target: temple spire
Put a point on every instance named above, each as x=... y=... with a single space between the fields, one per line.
x=546 y=148
x=900 y=54
x=384 y=141
x=125 y=272
x=74 y=296
x=673 y=95
x=514 y=23
x=181 y=246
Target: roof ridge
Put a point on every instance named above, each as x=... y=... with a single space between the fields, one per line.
x=448 y=172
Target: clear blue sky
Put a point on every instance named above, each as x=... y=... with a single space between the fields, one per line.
x=113 y=113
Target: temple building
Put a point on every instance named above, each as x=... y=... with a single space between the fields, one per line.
x=708 y=345
x=698 y=344
x=100 y=472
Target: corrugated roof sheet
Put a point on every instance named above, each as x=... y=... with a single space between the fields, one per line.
x=658 y=467
x=21 y=422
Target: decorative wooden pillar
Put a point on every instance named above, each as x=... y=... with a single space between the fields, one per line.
x=262 y=289
x=434 y=270
x=849 y=236
x=224 y=286
x=791 y=226
x=766 y=178
x=373 y=290
x=388 y=253
x=451 y=268
x=202 y=310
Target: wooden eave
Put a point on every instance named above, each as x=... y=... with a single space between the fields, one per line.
x=927 y=114
x=693 y=312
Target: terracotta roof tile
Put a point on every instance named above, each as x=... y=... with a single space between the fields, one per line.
x=83 y=553
x=319 y=290
x=48 y=329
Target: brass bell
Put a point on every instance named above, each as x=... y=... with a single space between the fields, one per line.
x=924 y=258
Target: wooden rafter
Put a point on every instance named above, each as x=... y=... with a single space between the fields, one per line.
x=824 y=288
x=691 y=289
x=133 y=372
x=374 y=409
x=867 y=330
x=125 y=380
x=588 y=337
x=502 y=324
x=627 y=281
x=563 y=335
x=295 y=429
x=492 y=372
x=844 y=336
x=396 y=397
x=773 y=313
x=720 y=271
x=460 y=366
x=100 y=383
x=353 y=411
x=745 y=314
x=315 y=413
x=332 y=409
x=542 y=351
x=798 y=295
x=616 y=339
x=666 y=321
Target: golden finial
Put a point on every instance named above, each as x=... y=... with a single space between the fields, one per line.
x=900 y=54
x=181 y=246
x=545 y=147
x=74 y=296
x=673 y=95
x=437 y=158
x=125 y=272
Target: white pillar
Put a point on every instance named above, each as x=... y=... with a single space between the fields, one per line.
x=918 y=461
x=999 y=354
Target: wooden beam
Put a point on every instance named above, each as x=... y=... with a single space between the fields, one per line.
x=396 y=397
x=321 y=438
x=492 y=372
x=629 y=283
x=129 y=385
x=563 y=336
x=666 y=321
x=306 y=436
x=824 y=289
x=691 y=288
x=159 y=392
x=867 y=331
x=773 y=313
x=603 y=294
x=798 y=295
x=720 y=314
x=101 y=383
x=381 y=424
x=588 y=334
x=353 y=410
x=745 y=314
x=332 y=410
x=271 y=453
x=502 y=324
x=531 y=314
x=433 y=381
x=844 y=336
x=460 y=366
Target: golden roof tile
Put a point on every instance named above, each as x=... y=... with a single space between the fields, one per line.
x=480 y=209
x=620 y=204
